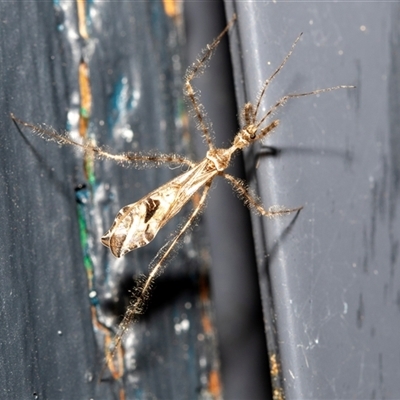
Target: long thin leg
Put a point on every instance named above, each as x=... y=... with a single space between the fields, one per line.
x=249 y=200
x=194 y=70
x=276 y=72
x=285 y=98
x=142 y=292
x=140 y=159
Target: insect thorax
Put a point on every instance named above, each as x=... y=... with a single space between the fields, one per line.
x=220 y=158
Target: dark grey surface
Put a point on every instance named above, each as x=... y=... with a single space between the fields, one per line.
x=48 y=347
x=329 y=277
x=44 y=312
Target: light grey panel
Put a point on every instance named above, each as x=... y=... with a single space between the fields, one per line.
x=329 y=275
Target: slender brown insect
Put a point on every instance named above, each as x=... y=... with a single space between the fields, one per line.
x=137 y=224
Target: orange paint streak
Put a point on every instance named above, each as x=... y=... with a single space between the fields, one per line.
x=214 y=384
x=116 y=368
x=274 y=366
x=205 y=298
x=278 y=394
x=86 y=98
x=81 y=5
x=172 y=8
x=207 y=324
x=122 y=395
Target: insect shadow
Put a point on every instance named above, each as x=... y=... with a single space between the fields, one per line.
x=137 y=224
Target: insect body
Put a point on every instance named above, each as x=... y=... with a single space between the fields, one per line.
x=137 y=224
